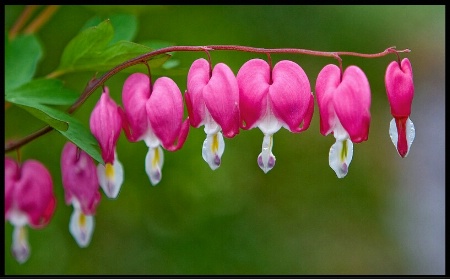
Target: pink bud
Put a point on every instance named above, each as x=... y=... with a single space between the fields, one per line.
x=106 y=124
x=79 y=178
x=400 y=93
x=399 y=87
x=29 y=191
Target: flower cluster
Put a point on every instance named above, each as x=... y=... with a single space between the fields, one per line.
x=259 y=95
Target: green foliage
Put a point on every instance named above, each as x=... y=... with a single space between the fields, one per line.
x=91 y=50
x=21 y=58
x=100 y=46
x=45 y=91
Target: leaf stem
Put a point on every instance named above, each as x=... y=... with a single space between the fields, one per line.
x=43 y=17
x=95 y=83
x=22 y=20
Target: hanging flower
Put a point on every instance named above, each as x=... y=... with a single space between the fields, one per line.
x=155 y=115
x=29 y=200
x=400 y=93
x=212 y=100
x=344 y=106
x=106 y=124
x=271 y=99
x=81 y=187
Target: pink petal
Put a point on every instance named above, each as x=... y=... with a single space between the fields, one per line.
x=106 y=124
x=327 y=82
x=253 y=80
x=179 y=142
x=290 y=94
x=79 y=178
x=165 y=111
x=221 y=96
x=135 y=93
x=12 y=175
x=197 y=79
x=351 y=102
x=400 y=87
x=33 y=193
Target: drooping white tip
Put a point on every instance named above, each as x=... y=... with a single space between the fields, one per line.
x=212 y=150
x=401 y=147
x=154 y=161
x=266 y=160
x=110 y=178
x=340 y=156
x=20 y=247
x=81 y=227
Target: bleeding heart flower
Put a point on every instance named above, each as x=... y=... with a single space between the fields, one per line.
x=344 y=106
x=81 y=186
x=106 y=124
x=29 y=200
x=155 y=115
x=212 y=99
x=271 y=99
x=400 y=93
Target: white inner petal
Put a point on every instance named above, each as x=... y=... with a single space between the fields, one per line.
x=110 y=177
x=266 y=160
x=410 y=133
x=393 y=132
x=18 y=218
x=150 y=138
x=213 y=148
x=20 y=247
x=269 y=124
x=81 y=227
x=340 y=156
x=153 y=164
x=211 y=127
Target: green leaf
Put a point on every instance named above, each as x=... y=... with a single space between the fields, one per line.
x=125 y=27
x=88 y=43
x=82 y=137
x=41 y=112
x=68 y=126
x=22 y=55
x=115 y=55
x=45 y=91
x=159 y=44
x=96 y=20
x=82 y=55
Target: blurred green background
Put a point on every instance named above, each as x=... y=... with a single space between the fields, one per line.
x=385 y=217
